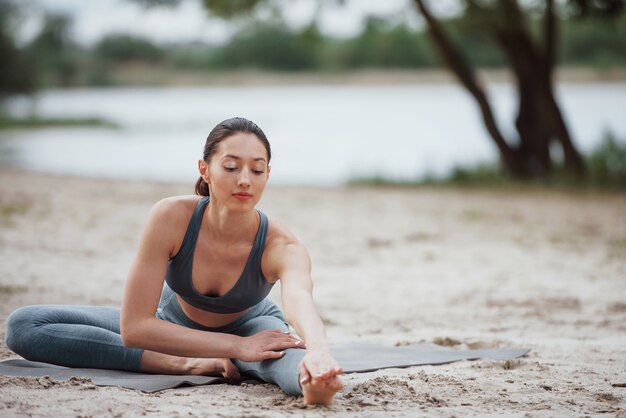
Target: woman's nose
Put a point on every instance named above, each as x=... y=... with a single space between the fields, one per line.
x=244 y=178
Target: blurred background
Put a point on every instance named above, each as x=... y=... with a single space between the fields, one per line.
x=378 y=91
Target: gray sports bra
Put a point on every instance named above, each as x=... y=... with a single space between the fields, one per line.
x=250 y=289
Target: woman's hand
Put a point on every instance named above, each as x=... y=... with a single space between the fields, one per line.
x=267 y=345
x=318 y=364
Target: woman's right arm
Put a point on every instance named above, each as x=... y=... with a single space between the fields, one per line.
x=139 y=326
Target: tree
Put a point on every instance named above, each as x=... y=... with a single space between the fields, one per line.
x=16 y=74
x=53 y=52
x=532 y=59
x=119 y=48
x=383 y=44
x=269 y=46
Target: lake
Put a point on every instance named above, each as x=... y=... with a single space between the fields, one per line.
x=320 y=135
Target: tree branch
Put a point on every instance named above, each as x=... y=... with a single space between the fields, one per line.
x=459 y=66
x=549 y=38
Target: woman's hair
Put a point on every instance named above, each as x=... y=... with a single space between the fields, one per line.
x=222 y=131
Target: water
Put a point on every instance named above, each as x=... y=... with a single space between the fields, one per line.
x=320 y=135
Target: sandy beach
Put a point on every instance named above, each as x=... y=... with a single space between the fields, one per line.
x=544 y=270
x=138 y=74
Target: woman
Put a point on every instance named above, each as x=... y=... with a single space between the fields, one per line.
x=219 y=258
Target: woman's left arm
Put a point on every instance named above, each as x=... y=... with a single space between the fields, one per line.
x=293 y=266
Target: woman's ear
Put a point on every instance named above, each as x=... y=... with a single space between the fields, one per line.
x=269 y=168
x=203 y=168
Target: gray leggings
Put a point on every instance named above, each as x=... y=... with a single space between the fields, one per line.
x=89 y=336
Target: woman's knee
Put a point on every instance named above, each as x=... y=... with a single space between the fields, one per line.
x=261 y=323
x=20 y=325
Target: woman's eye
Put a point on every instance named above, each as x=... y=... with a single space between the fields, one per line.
x=258 y=171
x=230 y=168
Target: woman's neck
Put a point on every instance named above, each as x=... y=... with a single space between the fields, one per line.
x=230 y=227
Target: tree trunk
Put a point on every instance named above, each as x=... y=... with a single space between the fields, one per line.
x=534 y=68
x=459 y=66
x=534 y=134
x=539 y=121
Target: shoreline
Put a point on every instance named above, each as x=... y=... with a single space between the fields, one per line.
x=496 y=189
x=138 y=75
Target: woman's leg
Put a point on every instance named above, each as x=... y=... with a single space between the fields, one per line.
x=282 y=371
x=89 y=336
x=73 y=336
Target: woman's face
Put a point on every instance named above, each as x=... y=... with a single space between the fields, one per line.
x=237 y=172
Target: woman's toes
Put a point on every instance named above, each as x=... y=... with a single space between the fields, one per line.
x=230 y=371
x=321 y=391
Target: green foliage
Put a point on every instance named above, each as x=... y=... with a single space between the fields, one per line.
x=476 y=44
x=157 y=3
x=596 y=41
x=16 y=70
x=484 y=173
x=35 y=122
x=231 y=8
x=193 y=57
x=120 y=48
x=383 y=45
x=605 y=169
x=270 y=47
x=606 y=164
x=53 y=59
x=53 y=53
x=597 y=8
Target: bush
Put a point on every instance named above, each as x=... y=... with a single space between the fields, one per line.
x=122 y=48
x=606 y=164
x=268 y=46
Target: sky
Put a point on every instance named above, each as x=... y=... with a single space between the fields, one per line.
x=189 y=21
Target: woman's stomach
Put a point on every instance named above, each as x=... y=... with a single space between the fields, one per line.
x=208 y=319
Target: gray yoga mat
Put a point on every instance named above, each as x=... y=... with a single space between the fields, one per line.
x=354 y=358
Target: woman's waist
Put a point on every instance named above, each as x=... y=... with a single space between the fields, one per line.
x=174 y=308
x=206 y=318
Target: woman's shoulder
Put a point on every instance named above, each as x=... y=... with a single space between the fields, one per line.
x=282 y=250
x=176 y=203
x=175 y=208
x=279 y=234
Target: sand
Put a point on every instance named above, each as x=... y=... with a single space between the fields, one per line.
x=538 y=269
x=140 y=74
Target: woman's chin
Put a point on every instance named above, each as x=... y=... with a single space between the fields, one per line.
x=241 y=207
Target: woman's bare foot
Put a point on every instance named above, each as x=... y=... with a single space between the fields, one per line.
x=219 y=367
x=153 y=362
x=320 y=391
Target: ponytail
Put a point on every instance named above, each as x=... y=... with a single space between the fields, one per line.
x=202 y=188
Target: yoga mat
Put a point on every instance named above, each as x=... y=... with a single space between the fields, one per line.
x=354 y=358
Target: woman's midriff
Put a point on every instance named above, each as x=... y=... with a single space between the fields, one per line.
x=208 y=319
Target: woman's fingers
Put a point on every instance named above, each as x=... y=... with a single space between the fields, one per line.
x=270 y=344
x=282 y=345
x=272 y=354
x=281 y=336
x=330 y=370
x=313 y=368
x=305 y=377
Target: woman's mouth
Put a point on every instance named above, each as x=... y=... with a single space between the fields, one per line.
x=242 y=196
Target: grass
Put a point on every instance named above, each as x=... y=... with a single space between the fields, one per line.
x=9 y=210
x=605 y=170
x=7 y=289
x=35 y=122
